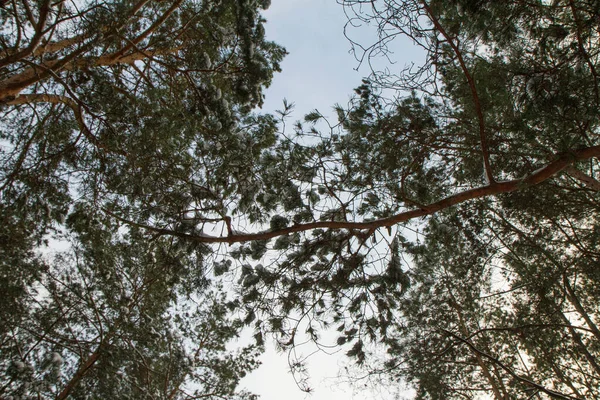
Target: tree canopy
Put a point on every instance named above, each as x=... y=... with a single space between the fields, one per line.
x=120 y=103
x=445 y=224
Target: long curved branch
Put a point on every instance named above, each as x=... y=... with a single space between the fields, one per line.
x=541 y=175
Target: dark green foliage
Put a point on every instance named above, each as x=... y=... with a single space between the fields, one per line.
x=499 y=299
x=129 y=108
x=148 y=157
x=137 y=310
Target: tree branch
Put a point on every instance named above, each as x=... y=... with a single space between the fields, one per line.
x=35 y=41
x=551 y=393
x=53 y=47
x=477 y=103
x=81 y=372
x=73 y=105
x=587 y=180
x=535 y=178
x=11 y=87
x=148 y=31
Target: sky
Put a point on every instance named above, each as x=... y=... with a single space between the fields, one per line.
x=318 y=72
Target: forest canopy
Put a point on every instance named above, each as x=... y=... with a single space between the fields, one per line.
x=444 y=225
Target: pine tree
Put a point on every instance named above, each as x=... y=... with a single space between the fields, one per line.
x=118 y=316
x=128 y=105
x=488 y=152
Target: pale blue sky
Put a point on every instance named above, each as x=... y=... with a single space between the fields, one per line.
x=318 y=73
